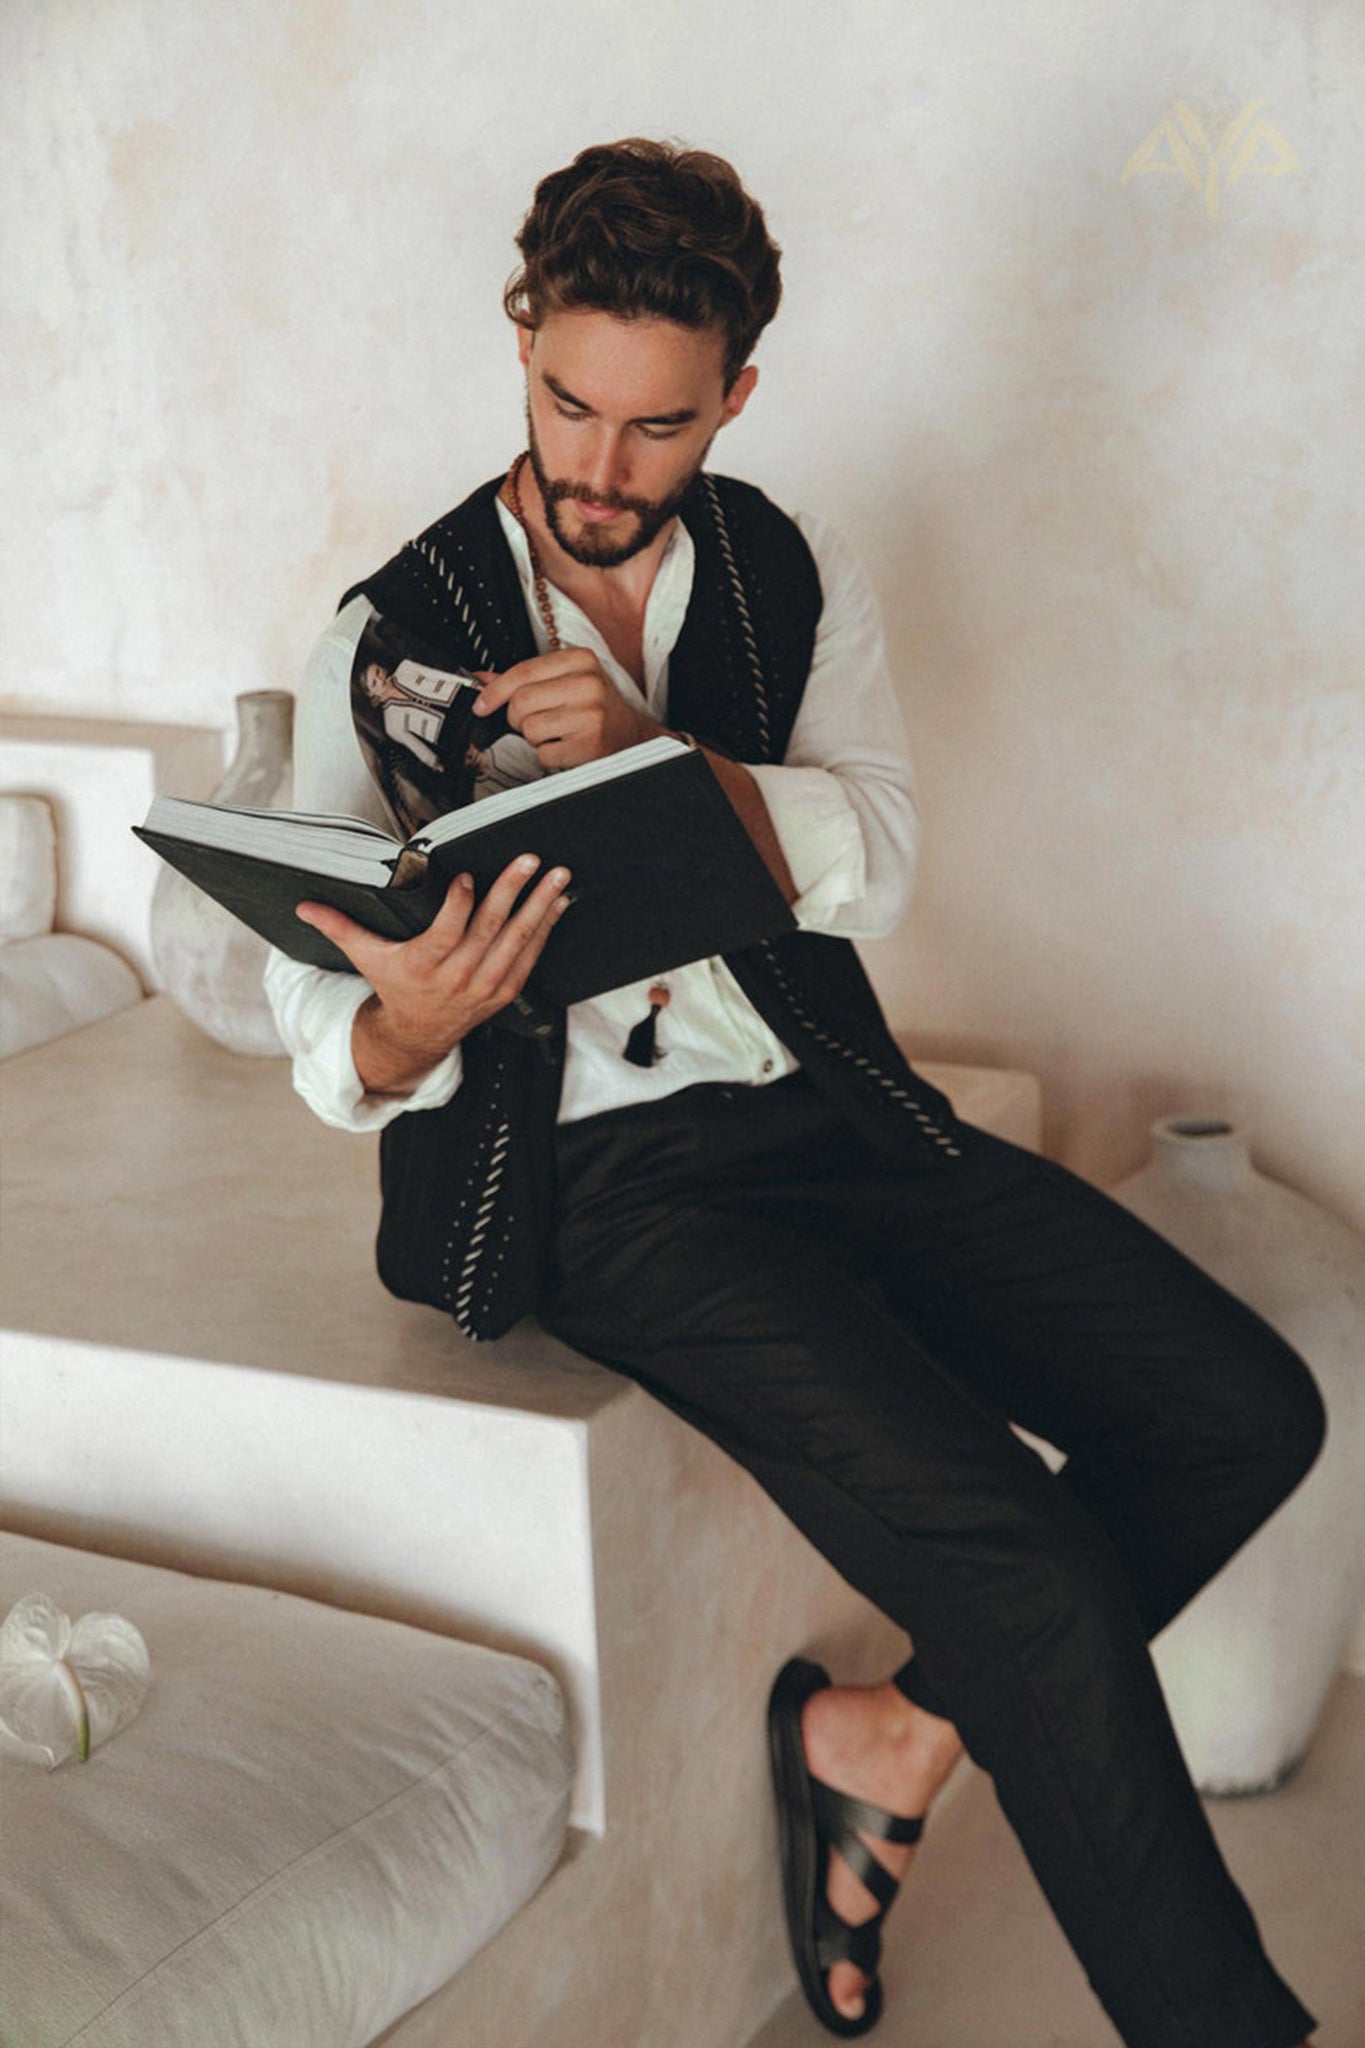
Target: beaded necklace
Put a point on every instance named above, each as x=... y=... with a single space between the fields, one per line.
x=538 y=578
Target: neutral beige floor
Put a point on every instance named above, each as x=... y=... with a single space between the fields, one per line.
x=973 y=1958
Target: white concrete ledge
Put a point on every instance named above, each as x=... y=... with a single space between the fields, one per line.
x=202 y=1369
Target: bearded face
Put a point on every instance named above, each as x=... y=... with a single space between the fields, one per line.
x=621 y=414
x=604 y=543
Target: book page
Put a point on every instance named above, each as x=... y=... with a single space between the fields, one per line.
x=348 y=848
x=414 y=723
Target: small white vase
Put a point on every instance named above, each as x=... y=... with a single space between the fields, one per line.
x=209 y=963
x=1247 y=1665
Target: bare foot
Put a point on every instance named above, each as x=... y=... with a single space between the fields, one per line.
x=871 y=1741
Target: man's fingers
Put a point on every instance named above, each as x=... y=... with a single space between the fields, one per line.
x=496 y=905
x=362 y=948
x=496 y=942
x=500 y=690
x=562 y=721
x=495 y=693
x=521 y=941
x=541 y=668
x=451 y=921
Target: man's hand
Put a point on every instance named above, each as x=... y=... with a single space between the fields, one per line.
x=432 y=990
x=566 y=707
x=570 y=711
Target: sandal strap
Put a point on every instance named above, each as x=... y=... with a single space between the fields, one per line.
x=839 y=1816
x=837 y=1942
x=868 y=1870
x=840 y=1811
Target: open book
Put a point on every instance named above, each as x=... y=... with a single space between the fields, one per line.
x=663 y=870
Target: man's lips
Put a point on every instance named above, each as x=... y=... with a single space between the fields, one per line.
x=594 y=513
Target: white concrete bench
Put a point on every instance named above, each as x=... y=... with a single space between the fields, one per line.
x=201 y=1370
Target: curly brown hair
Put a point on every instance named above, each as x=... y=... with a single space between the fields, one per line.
x=647 y=229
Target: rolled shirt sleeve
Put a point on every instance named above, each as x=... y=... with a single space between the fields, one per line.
x=842 y=802
x=314 y=1012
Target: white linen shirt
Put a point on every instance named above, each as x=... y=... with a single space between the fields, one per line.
x=842 y=805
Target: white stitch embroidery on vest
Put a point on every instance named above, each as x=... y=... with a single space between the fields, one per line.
x=897 y=1094
x=430 y=554
x=742 y=606
x=469 y=1270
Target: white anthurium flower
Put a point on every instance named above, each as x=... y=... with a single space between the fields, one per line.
x=64 y=1688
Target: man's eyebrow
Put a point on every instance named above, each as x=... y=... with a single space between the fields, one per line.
x=650 y=419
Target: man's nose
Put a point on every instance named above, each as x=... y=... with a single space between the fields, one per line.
x=608 y=467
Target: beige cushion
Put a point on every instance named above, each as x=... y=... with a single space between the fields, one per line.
x=56 y=983
x=28 y=867
x=315 y=1819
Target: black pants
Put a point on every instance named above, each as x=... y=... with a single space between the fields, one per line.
x=858 y=1331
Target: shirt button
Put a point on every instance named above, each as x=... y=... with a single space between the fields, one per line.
x=767 y=1066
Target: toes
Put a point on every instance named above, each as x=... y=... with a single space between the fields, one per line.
x=846 y=1990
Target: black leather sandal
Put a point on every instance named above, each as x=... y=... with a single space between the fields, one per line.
x=812 y=1819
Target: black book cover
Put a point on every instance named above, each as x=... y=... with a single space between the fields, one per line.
x=663 y=873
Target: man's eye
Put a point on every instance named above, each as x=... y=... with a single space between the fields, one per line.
x=567 y=412
x=660 y=433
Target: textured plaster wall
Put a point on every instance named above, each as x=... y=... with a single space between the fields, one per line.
x=1097 y=439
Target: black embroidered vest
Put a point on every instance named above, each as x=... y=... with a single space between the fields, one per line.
x=468 y=1189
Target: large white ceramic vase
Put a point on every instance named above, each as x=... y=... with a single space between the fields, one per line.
x=208 y=962
x=1247 y=1666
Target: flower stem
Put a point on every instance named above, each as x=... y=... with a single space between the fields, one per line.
x=82 y=1707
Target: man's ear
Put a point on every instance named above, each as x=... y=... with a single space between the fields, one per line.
x=737 y=397
x=525 y=337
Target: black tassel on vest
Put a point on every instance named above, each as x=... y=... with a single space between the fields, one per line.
x=642 y=1046
x=468 y=1189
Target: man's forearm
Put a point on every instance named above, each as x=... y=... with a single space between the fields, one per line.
x=747 y=799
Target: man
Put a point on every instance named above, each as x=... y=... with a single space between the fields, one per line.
x=766 y=1217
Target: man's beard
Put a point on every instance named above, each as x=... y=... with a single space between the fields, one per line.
x=596 y=550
